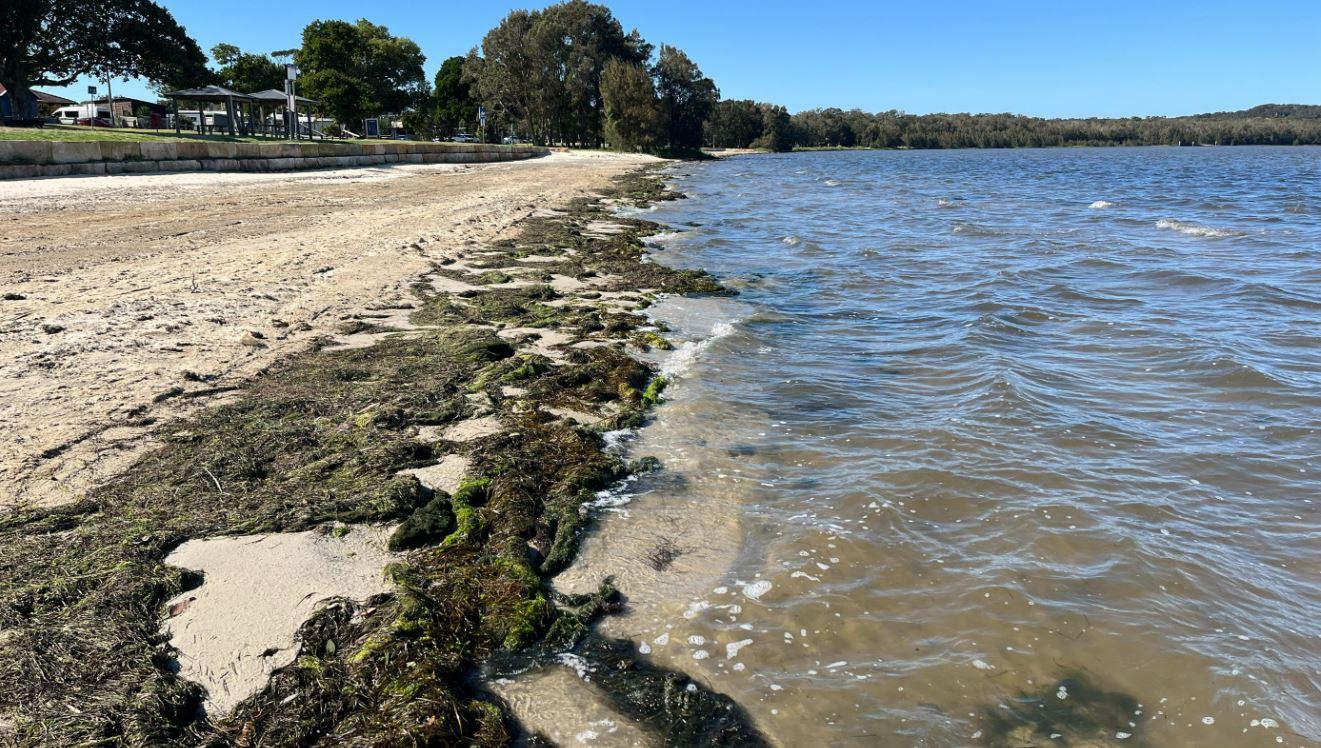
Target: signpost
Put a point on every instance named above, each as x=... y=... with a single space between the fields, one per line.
x=372 y=128
x=481 y=123
x=291 y=102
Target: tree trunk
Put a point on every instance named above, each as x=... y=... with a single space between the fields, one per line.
x=23 y=103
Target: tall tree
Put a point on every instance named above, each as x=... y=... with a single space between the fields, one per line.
x=776 y=129
x=455 y=105
x=542 y=69
x=503 y=75
x=246 y=72
x=359 y=69
x=55 y=42
x=687 y=97
x=632 y=113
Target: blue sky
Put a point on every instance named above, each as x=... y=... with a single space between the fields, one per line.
x=1055 y=59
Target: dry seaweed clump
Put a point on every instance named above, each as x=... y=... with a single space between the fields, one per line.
x=322 y=438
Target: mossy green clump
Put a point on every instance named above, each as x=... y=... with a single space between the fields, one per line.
x=652 y=395
x=474 y=345
x=650 y=339
x=430 y=523
x=494 y=277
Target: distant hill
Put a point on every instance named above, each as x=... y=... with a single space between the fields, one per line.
x=1271 y=111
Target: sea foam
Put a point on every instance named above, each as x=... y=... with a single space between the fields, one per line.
x=1193 y=229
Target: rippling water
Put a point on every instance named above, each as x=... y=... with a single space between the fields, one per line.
x=1002 y=447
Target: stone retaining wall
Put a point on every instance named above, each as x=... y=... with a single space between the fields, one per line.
x=24 y=159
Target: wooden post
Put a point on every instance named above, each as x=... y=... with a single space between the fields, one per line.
x=229 y=111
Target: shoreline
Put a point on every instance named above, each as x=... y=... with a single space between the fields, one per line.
x=530 y=332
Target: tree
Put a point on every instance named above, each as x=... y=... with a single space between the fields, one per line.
x=55 y=42
x=734 y=124
x=245 y=72
x=358 y=70
x=541 y=70
x=776 y=129
x=455 y=104
x=632 y=113
x=687 y=97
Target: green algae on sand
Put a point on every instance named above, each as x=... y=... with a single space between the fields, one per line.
x=320 y=440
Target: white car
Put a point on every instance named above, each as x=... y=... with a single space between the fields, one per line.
x=464 y=137
x=512 y=140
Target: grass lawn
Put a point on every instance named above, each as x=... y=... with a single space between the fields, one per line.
x=77 y=133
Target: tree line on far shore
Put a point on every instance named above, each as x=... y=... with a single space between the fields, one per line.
x=744 y=124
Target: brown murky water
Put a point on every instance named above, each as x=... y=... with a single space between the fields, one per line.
x=1005 y=448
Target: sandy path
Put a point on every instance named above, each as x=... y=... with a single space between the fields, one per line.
x=139 y=294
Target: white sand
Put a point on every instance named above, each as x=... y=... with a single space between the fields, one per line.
x=444 y=475
x=543 y=341
x=468 y=430
x=258 y=590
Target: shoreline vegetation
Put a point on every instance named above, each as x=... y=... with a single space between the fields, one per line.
x=750 y=124
x=324 y=441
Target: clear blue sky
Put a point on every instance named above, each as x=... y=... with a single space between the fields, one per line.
x=1056 y=59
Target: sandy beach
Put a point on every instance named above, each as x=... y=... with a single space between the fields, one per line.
x=132 y=300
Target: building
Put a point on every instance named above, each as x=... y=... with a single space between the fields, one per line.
x=125 y=106
x=46 y=103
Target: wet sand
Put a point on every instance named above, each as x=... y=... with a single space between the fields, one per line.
x=131 y=300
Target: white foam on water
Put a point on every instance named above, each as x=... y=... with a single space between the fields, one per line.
x=683 y=357
x=1194 y=229
x=576 y=663
x=732 y=649
x=754 y=590
x=663 y=237
x=1101 y=204
x=613 y=498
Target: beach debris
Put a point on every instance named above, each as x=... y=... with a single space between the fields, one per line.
x=663 y=554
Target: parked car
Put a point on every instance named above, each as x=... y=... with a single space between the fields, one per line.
x=464 y=137
x=512 y=140
x=94 y=122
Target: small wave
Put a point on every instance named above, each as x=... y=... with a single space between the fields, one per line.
x=664 y=237
x=687 y=354
x=972 y=229
x=944 y=203
x=832 y=183
x=1194 y=229
x=1101 y=204
x=791 y=240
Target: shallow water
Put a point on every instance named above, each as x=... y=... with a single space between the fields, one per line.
x=993 y=446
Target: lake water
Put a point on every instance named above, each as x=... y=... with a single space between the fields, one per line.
x=998 y=447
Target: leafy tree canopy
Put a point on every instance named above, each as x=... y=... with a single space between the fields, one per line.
x=55 y=42
x=455 y=105
x=541 y=70
x=246 y=72
x=687 y=97
x=358 y=70
x=633 y=120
